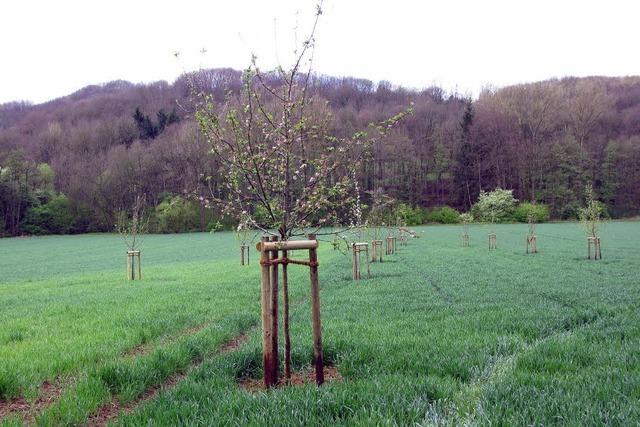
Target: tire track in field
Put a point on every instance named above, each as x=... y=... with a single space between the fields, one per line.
x=110 y=411
x=50 y=391
x=498 y=368
x=439 y=290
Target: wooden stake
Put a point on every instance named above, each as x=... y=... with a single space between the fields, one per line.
x=287 y=336
x=270 y=376
x=129 y=271
x=274 y=308
x=315 y=314
x=357 y=257
x=244 y=254
x=354 y=274
x=376 y=246
x=366 y=257
x=599 y=248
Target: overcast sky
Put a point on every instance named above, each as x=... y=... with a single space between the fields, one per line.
x=52 y=48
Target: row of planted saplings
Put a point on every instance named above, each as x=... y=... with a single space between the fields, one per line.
x=593 y=241
x=360 y=249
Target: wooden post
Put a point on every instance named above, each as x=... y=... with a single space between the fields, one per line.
x=373 y=251
x=492 y=241
x=270 y=375
x=287 y=336
x=274 y=307
x=244 y=254
x=358 y=262
x=129 y=272
x=366 y=257
x=354 y=264
x=315 y=314
x=376 y=246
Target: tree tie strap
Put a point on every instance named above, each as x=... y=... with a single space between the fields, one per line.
x=287 y=261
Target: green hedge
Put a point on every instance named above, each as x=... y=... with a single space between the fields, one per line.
x=409 y=215
x=55 y=216
x=443 y=215
x=538 y=210
x=176 y=214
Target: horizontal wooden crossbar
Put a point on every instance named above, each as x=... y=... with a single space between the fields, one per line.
x=288 y=245
x=286 y=261
x=359 y=245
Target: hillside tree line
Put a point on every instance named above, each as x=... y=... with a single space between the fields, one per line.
x=73 y=164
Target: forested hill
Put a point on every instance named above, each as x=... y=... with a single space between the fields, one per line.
x=87 y=154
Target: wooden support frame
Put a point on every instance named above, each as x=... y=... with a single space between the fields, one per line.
x=357 y=250
x=376 y=251
x=532 y=246
x=465 y=240
x=131 y=265
x=244 y=254
x=269 y=249
x=492 y=241
x=595 y=242
x=391 y=245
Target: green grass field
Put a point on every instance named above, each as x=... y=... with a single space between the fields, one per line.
x=440 y=334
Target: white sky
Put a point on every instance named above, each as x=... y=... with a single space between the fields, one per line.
x=52 y=48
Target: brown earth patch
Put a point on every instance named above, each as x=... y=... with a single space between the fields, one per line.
x=254 y=385
x=48 y=393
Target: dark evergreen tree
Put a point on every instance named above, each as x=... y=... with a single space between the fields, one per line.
x=463 y=174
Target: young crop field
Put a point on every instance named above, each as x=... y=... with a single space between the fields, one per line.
x=440 y=334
